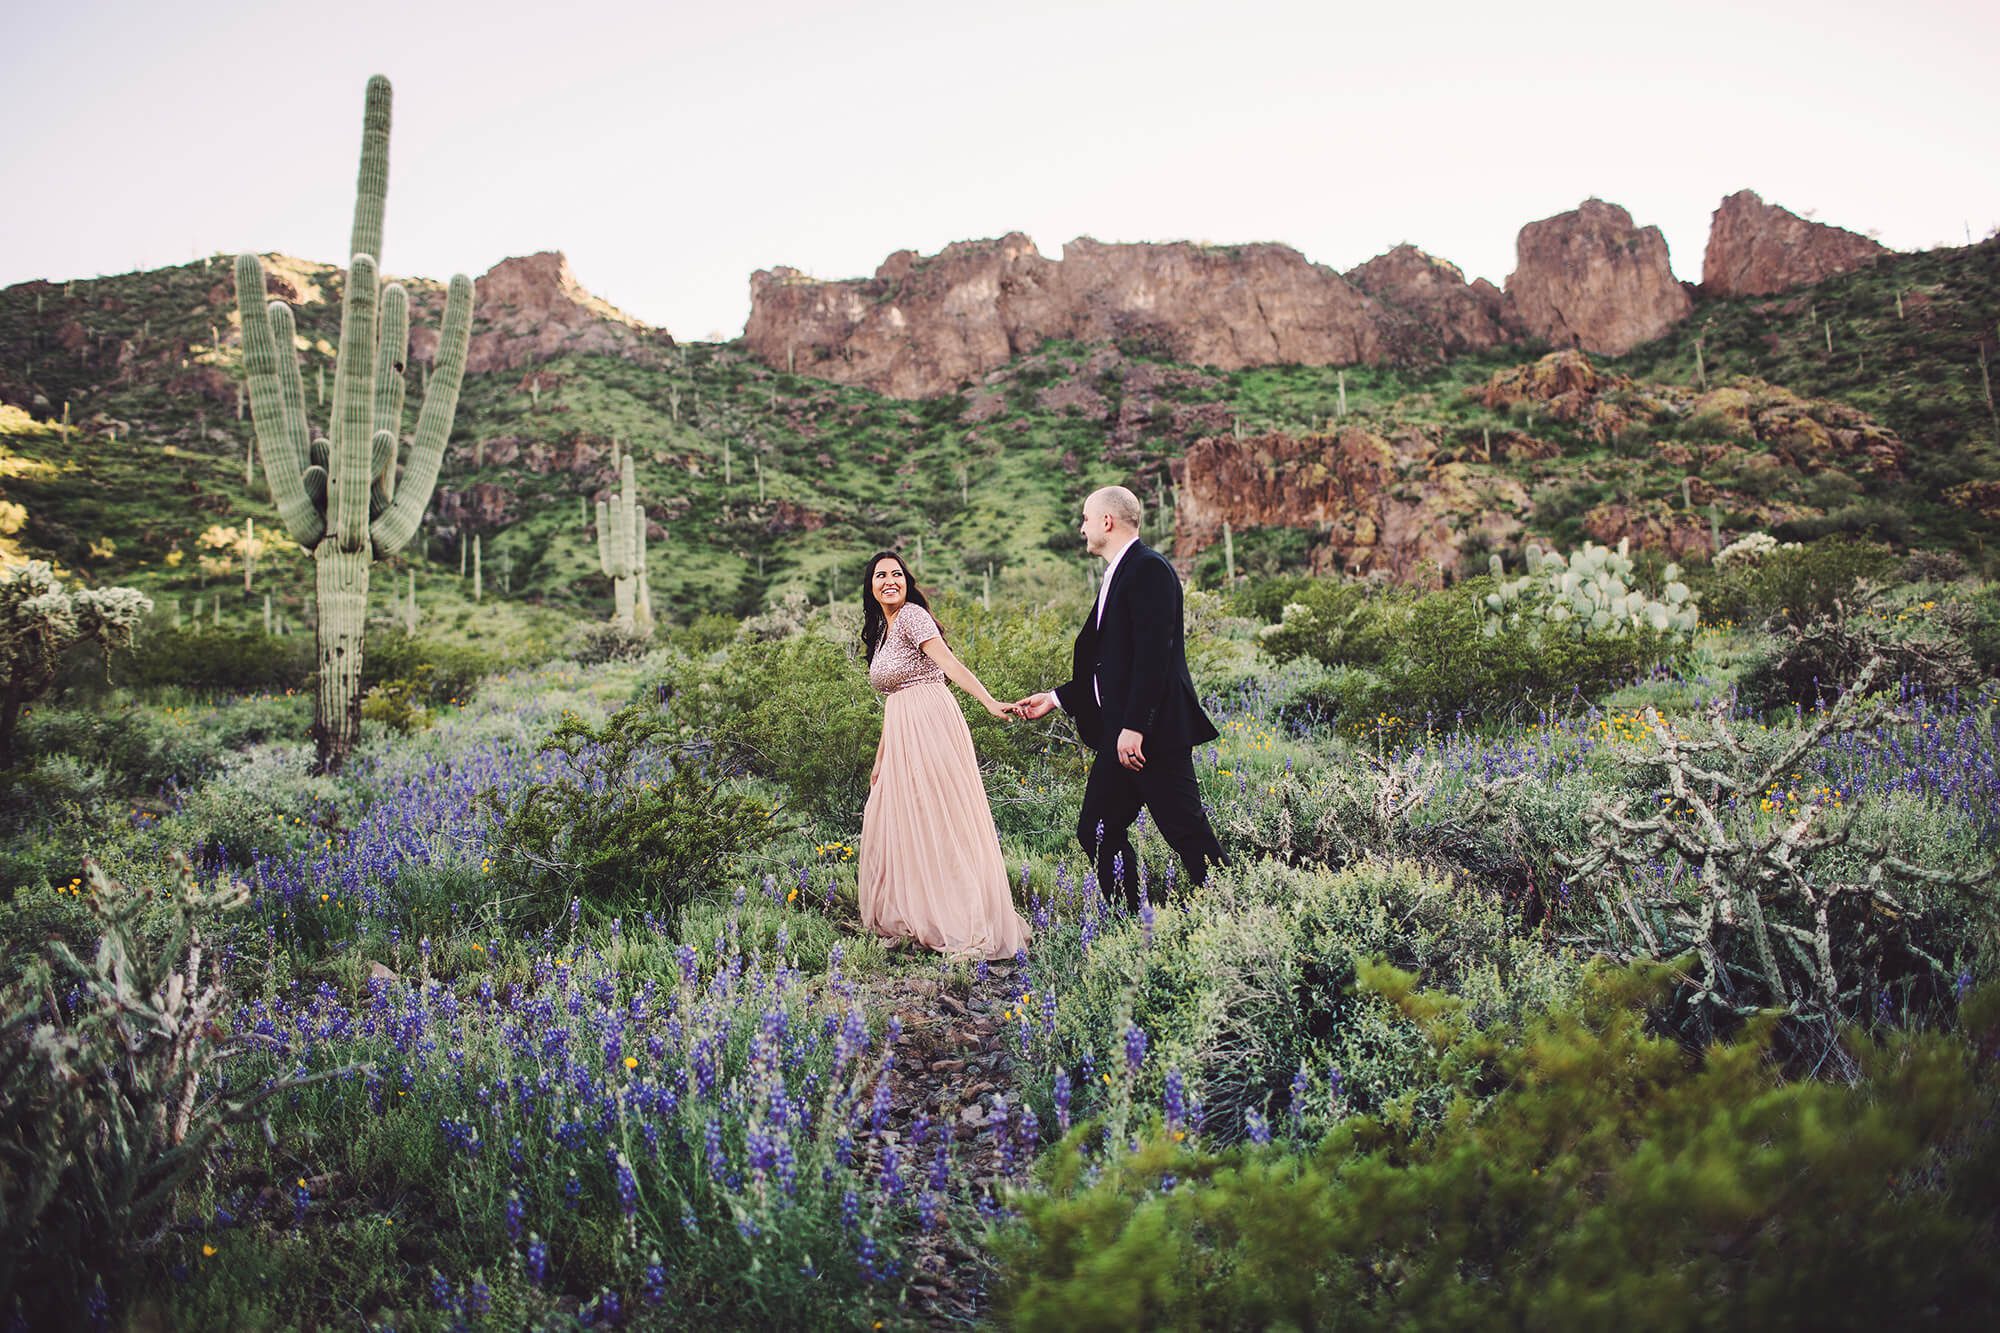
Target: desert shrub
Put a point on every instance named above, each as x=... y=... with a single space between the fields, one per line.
x=1263 y=599
x=627 y=820
x=426 y=671
x=704 y=634
x=1333 y=622
x=110 y=1098
x=612 y=642
x=1793 y=583
x=1932 y=567
x=40 y=622
x=397 y=705
x=1343 y=696
x=796 y=710
x=1449 y=659
x=1813 y=662
x=1253 y=982
x=1260 y=553
x=1611 y=1178
x=211 y=661
x=267 y=802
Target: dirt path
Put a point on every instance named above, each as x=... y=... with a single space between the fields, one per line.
x=952 y=1069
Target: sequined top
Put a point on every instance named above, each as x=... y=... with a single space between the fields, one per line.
x=900 y=660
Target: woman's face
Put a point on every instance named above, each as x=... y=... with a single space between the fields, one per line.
x=889 y=584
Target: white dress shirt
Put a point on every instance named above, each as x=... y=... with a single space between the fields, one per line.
x=1104 y=591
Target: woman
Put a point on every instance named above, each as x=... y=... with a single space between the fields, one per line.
x=930 y=860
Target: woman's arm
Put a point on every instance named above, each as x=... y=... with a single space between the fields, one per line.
x=959 y=674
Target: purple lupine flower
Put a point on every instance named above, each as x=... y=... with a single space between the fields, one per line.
x=300 y=1199
x=893 y=1184
x=478 y=1299
x=538 y=1259
x=628 y=1184
x=1146 y=923
x=1333 y=1085
x=1135 y=1047
x=1257 y=1127
x=655 y=1282
x=515 y=1212
x=1300 y=1082
x=1175 y=1099
x=690 y=963
x=441 y=1293
x=1061 y=1095
x=850 y=1210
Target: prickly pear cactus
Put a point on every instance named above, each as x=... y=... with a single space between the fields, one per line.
x=338 y=494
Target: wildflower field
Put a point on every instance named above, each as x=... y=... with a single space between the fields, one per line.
x=1662 y=999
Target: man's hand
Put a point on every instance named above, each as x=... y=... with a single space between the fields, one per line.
x=1036 y=705
x=1131 y=751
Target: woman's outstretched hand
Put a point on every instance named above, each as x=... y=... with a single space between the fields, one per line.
x=1000 y=710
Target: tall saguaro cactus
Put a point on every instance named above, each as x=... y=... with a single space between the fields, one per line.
x=621 y=553
x=339 y=495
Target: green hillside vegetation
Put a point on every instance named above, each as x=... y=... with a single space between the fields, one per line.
x=764 y=481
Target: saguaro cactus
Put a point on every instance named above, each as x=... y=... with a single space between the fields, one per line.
x=621 y=552
x=339 y=496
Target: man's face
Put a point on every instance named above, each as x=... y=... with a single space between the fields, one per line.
x=1096 y=528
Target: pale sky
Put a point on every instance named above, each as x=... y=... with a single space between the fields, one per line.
x=670 y=149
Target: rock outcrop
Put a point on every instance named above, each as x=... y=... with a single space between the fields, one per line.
x=1755 y=249
x=1377 y=506
x=925 y=326
x=1592 y=279
x=529 y=309
x=1430 y=311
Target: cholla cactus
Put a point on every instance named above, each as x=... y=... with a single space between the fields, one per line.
x=1750 y=549
x=621 y=553
x=1588 y=593
x=40 y=621
x=339 y=496
x=107 y=1100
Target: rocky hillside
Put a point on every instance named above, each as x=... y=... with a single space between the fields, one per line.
x=1590 y=278
x=1855 y=404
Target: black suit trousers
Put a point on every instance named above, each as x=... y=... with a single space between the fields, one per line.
x=1111 y=801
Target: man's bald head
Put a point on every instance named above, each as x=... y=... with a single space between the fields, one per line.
x=1115 y=503
x=1110 y=520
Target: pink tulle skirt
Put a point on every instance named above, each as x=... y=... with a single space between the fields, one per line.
x=930 y=866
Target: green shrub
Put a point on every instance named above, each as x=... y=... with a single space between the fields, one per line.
x=1449 y=659
x=111 y=1099
x=433 y=672
x=1796 y=584
x=396 y=705
x=1254 y=978
x=1609 y=1179
x=795 y=710
x=1333 y=622
x=626 y=820
x=1812 y=663
x=212 y=661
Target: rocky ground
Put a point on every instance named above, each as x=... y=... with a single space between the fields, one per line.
x=951 y=1071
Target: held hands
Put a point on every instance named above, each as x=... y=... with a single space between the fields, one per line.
x=1034 y=706
x=998 y=709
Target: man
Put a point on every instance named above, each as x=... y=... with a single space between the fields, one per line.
x=1134 y=702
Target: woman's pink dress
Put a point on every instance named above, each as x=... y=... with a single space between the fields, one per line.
x=930 y=865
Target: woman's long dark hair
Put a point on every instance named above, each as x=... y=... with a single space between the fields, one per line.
x=874 y=625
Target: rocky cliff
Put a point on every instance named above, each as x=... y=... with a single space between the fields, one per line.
x=923 y=326
x=1755 y=248
x=1592 y=279
x=529 y=309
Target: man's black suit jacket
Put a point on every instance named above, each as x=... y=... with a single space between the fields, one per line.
x=1138 y=656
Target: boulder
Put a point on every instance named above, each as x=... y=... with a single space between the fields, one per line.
x=1430 y=311
x=1755 y=249
x=1592 y=279
x=530 y=309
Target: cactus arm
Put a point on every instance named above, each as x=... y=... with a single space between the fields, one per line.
x=605 y=562
x=354 y=408
x=383 y=447
x=391 y=353
x=393 y=530
x=371 y=186
x=280 y=430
